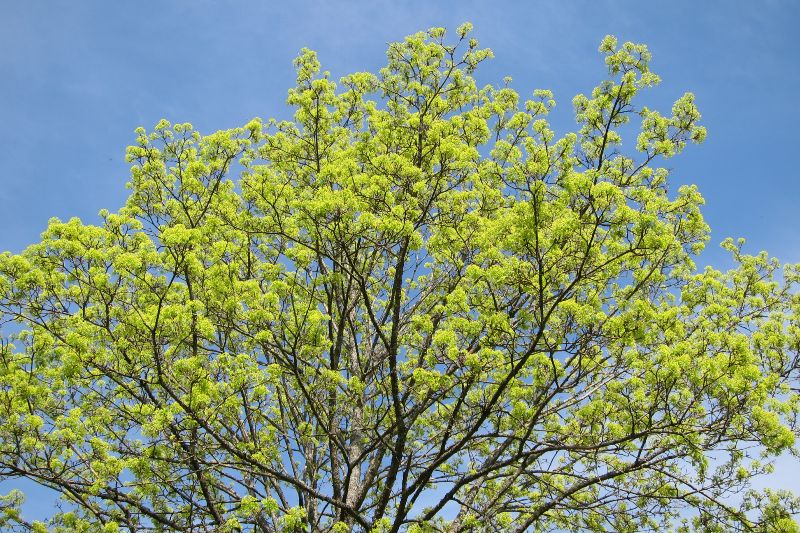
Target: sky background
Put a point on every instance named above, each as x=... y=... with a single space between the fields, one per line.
x=76 y=78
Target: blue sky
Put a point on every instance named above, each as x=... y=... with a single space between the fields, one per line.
x=76 y=78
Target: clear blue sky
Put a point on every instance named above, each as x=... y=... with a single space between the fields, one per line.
x=76 y=78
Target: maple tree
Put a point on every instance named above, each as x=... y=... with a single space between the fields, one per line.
x=416 y=309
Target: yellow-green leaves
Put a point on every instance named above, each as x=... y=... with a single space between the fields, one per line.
x=413 y=307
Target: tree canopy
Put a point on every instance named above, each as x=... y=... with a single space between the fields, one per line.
x=416 y=308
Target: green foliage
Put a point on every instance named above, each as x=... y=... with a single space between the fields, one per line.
x=416 y=309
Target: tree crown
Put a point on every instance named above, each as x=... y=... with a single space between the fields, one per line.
x=416 y=309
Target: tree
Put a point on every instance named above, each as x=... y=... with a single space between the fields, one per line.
x=415 y=310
